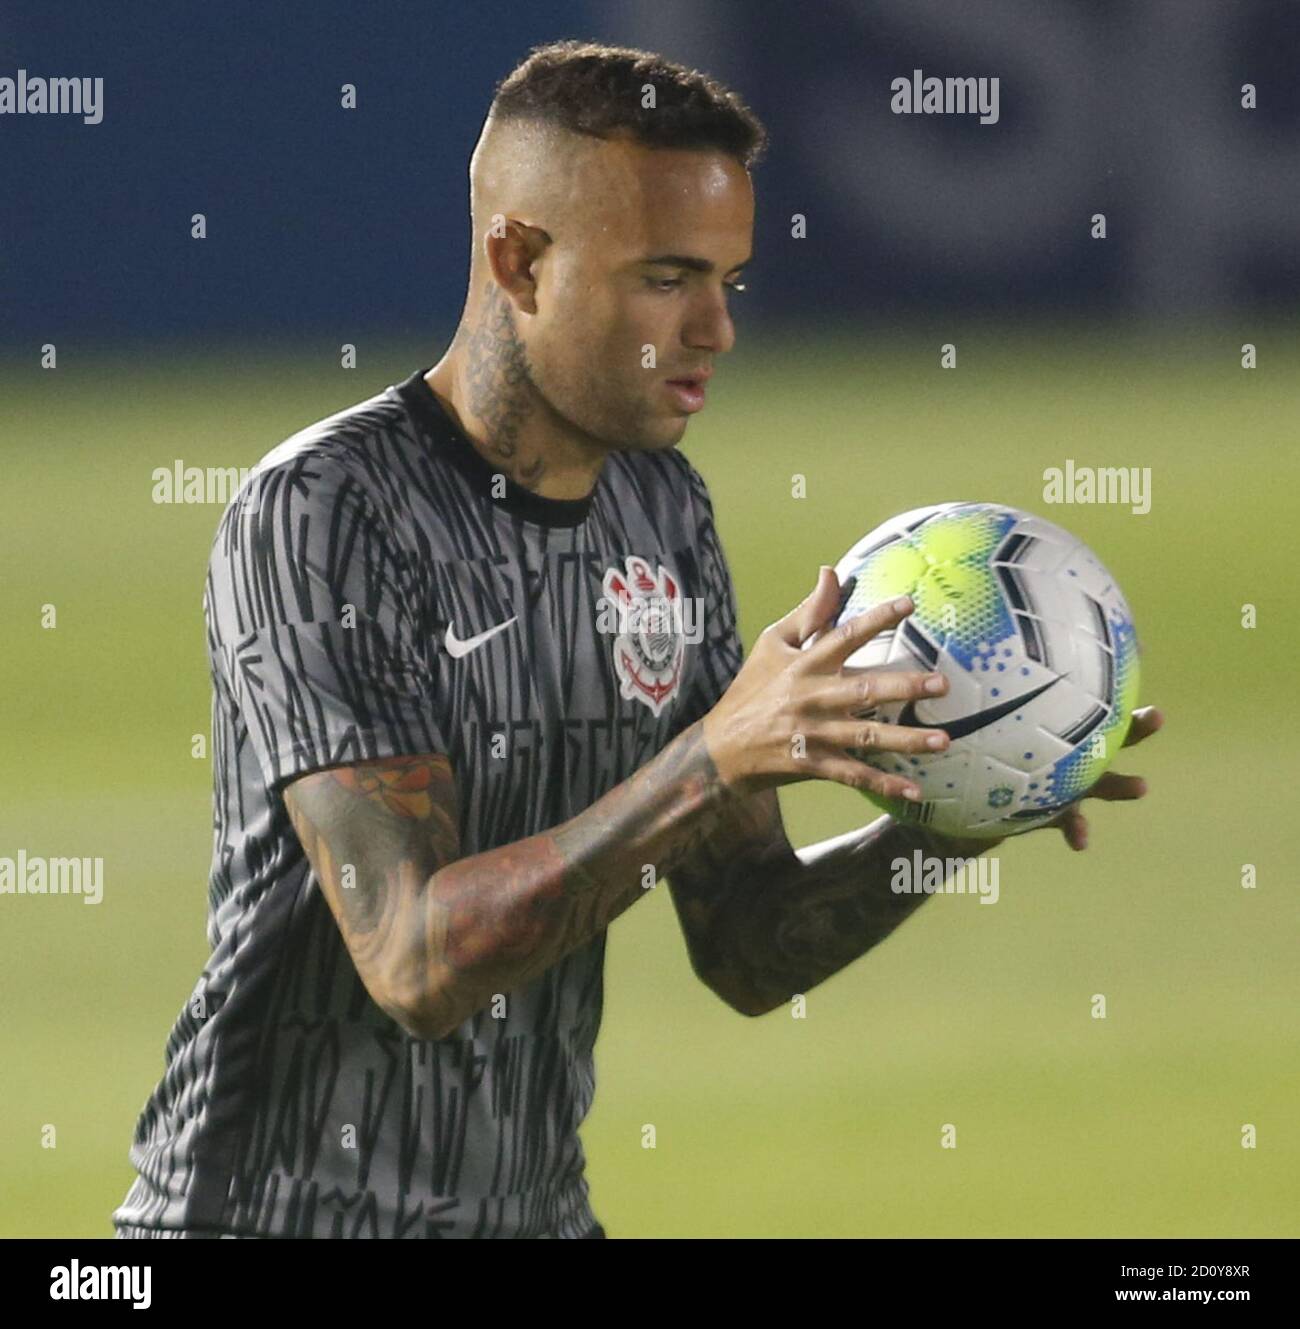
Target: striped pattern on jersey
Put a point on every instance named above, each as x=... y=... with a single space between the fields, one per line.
x=291 y=1105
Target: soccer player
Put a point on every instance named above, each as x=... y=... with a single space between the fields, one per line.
x=478 y=684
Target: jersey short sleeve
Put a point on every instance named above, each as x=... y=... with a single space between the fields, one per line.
x=721 y=652
x=313 y=622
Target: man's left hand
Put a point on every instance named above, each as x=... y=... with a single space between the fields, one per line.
x=1112 y=786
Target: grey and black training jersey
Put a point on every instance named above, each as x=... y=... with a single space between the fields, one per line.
x=377 y=589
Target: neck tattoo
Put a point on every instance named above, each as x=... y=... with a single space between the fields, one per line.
x=498 y=381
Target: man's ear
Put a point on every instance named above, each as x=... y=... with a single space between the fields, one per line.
x=512 y=248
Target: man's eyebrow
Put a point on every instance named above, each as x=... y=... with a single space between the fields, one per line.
x=687 y=261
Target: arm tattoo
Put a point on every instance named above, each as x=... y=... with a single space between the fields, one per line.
x=764 y=923
x=375 y=833
x=436 y=936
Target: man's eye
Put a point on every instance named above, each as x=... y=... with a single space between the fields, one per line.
x=671 y=283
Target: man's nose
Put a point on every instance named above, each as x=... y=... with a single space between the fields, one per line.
x=710 y=327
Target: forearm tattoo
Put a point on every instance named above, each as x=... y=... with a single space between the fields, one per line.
x=764 y=923
x=439 y=935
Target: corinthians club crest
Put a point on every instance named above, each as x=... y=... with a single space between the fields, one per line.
x=643 y=612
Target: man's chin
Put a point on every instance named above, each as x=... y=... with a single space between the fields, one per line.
x=651 y=431
x=658 y=441
x=673 y=432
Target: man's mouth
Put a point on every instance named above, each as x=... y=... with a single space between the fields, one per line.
x=688 y=390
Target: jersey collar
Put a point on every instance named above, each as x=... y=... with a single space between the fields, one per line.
x=425 y=406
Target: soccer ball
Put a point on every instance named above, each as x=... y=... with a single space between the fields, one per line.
x=1039 y=649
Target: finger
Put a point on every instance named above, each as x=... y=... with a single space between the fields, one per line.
x=1145 y=721
x=873 y=736
x=862 y=689
x=858 y=775
x=1116 y=787
x=812 y=611
x=1074 y=826
x=835 y=646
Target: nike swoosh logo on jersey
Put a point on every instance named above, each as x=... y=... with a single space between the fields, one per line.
x=456 y=648
x=970 y=724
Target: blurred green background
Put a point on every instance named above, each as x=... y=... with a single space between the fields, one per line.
x=972 y=1015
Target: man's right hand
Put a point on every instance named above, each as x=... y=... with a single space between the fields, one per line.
x=792 y=713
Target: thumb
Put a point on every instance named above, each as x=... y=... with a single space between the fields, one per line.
x=813 y=611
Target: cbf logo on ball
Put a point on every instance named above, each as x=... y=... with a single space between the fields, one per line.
x=643 y=611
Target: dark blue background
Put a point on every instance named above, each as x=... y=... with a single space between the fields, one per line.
x=343 y=223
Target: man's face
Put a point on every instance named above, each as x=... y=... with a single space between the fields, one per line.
x=603 y=300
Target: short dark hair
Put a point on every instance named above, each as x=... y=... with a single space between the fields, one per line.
x=589 y=88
